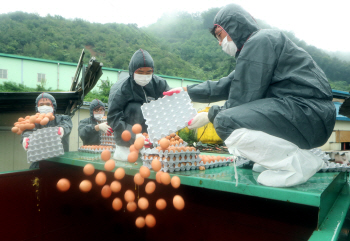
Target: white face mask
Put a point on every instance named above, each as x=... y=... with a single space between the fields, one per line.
x=45 y=109
x=229 y=47
x=142 y=79
x=98 y=116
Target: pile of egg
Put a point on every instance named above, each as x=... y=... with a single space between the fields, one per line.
x=28 y=123
x=174 y=139
x=95 y=148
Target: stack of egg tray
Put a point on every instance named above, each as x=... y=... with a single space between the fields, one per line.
x=167 y=115
x=178 y=161
x=94 y=151
x=44 y=143
x=335 y=167
x=177 y=145
x=107 y=140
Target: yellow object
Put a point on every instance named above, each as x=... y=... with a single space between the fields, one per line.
x=210 y=135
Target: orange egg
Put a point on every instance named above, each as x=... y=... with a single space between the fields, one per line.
x=44 y=121
x=116 y=186
x=165 y=178
x=132 y=148
x=85 y=186
x=131 y=206
x=137 y=128
x=38 y=120
x=20 y=119
x=19 y=132
x=109 y=165
x=14 y=129
x=119 y=173
x=129 y=196
x=201 y=168
x=143 y=203
x=150 y=187
x=158 y=176
x=133 y=156
x=178 y=202
x=52 y=117
x=117 y=204
x=22 y=127
x=150 y=221
x=32 y=119
x=100 y=178
x=164 y=143
x=175 y=181
x=145 y=172
x=106 y=191
x=31 y=126
x=105 y=155
x=139 y=142
x=140 y=222
x=138 y=179
x=89 y=169
x=172 y=135
x=126 y=135
x=161 y=204
x=63 y=184
x=156 y=165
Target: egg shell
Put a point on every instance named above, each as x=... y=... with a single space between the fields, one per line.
x=165 y=178
x=106 y=191
x=116 y=186
x=164 y=143
x=85 y=186
x=100 y=178
x=138 y=179
x=133 y=156
x=158 y=176
x=44 y=121
x=89 y=169
x=175 y=181
x=63 y=185
x=117 y=204
x=140 y=222
x=131 y=206
x=143 y=203
x=119 y=173
x=137 y=128
x=129 y=196
x=161 y=204
x=150 y=187
x=145 y=172
x=156 y=165
x=106 y=155
x=178 y=202
x=150 y=221
x=126 y=135
x=139 y=143
x=109 y=165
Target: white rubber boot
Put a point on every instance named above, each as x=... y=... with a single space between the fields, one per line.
x=121 y=153
x=258 y=168
x=287 y=164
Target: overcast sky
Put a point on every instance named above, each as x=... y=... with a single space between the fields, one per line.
x=324 y=24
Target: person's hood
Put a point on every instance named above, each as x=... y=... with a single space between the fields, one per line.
x=95 y=103
x=237 y=22
x=141 y=58
x=45 y=96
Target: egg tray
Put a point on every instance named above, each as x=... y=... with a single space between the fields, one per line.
x=95 y=151
x=44 y=143
x=167 y=115
x=216 y=175
x=335 y=167
x=107 y=143
x=180 y=145
x=167 y=154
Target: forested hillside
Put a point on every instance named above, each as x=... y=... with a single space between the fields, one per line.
x=181 y=44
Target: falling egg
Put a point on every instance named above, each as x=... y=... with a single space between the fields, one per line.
x=140 y=222
x=178 y=202
x=106 y=191
x=132 y=157
x=126 y=135
x=100 y=178
x=85 y=186
x=131 y=206
x=150 y=187
x=44 y=121
x=164 y=143
x=109 y=165
x=32 y=119
x=145 y=172
x=88 y=169
x=14 y=129
x=63 y=184
x=38 y=120
x=156 y=165
x=175 y=181
x=105 y=155
x=143 y=203
x=138 y=179
x=20 y=119
x=165 y=178
x=119 y=173
x=161 y=204
x=139 y=143
x=129 y=196
x=116 y=186
x=132 y=148
x=150 y=221
x=158 y=176
x=31 y=126
x=137 y=128
x=117 y=204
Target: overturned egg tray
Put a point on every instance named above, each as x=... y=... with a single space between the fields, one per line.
x=44 y=143
x=167 y=115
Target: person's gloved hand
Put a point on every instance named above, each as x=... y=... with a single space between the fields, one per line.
x=201 y=119
x=147 y=142
x=175 y=90
x=25 y=143
x=60 y=132
x=105 y=128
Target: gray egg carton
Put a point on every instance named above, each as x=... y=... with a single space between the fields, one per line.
x=89 y=150
x=167 y=115
x=335 y=167
x=44 y=143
